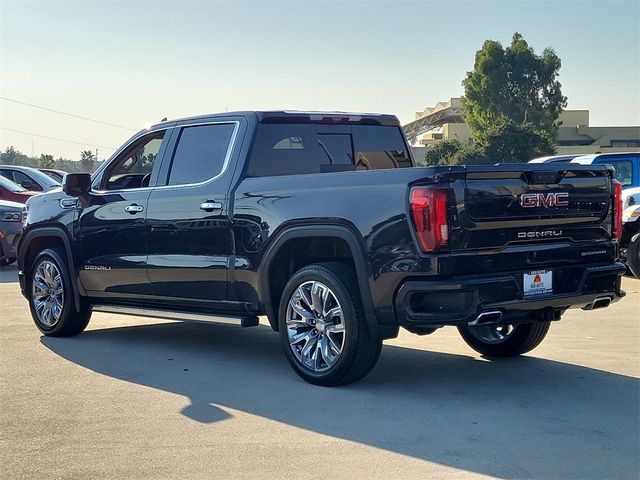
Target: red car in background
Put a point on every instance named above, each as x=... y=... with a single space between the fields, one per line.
x=13 y=192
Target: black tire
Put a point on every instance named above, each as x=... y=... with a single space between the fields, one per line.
x=71 y=321
x=522 y=339
x=360 y=351
x=633 y=255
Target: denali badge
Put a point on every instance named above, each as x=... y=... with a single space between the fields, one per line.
x=97 y=267
x=541 y=234
x=530 y=200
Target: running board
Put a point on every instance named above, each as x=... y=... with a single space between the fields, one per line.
x=177 y=315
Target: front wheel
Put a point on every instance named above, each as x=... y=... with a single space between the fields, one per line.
x=504 y=340
x=51 y=297
x=322 y=326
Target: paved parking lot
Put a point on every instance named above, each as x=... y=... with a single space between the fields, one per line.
x=136 y=398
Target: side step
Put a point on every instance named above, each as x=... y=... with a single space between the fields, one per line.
x=177 y=315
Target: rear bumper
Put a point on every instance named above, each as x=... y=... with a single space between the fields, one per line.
x=459 y=301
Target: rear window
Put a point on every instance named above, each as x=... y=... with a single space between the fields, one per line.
x=290 y=149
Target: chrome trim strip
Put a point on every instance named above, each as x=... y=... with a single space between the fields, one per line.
x=225 y=164
x=167 y=314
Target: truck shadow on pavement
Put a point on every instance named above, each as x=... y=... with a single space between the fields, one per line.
x=518 y=418
x=9 y=274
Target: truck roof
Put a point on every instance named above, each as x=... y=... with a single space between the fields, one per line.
x=295 y=116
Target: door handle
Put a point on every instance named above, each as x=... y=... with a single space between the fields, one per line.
x=210 y=206
x=134 y=208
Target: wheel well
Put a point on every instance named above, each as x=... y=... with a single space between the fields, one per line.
x=40 y=243
x=297 y=253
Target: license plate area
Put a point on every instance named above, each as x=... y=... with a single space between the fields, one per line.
x=537 y=282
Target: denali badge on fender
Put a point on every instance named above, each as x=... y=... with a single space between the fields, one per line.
x=558 y=199
x=541 y=234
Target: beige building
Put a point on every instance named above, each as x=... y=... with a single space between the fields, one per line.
x=575 y=135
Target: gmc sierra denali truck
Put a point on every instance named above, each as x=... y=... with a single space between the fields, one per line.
x=323 y=223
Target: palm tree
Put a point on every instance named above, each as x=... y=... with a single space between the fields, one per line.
x=86 y=160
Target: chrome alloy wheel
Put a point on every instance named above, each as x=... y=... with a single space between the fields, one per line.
x=493 y=333
x=47 y=293
x=315 y=326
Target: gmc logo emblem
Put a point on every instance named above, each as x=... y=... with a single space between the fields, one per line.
x=546 y=200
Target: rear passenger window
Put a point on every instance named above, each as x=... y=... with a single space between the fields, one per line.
x=290 y=149
x=285 y=149
x=200 y=153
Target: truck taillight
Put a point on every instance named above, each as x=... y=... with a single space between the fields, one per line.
x=617 y=209
x=429 y=215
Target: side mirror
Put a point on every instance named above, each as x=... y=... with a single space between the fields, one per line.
x=76 y=184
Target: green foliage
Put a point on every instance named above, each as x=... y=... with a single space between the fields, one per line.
x=504 y=142
x=441 y=153
x=11 y=156
x=513 y=84
x=46 y=161
x=508 y=142
x=86 y=160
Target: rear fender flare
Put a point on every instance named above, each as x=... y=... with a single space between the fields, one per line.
x=357 y=252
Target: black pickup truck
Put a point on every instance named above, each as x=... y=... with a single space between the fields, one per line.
x=321 y=222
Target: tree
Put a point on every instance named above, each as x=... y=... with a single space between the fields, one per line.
x=513 y=84
x=508 y=142
x=11 y=156
x=442 y=153
x=86 y=160
x=46 y=161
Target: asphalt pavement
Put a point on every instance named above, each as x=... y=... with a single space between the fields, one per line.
x=140 y=398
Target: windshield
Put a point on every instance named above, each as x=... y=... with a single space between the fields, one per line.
x=9 y=185
x=43 y=178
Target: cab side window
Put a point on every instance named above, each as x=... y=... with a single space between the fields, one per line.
x=200 y=153
x=133 y=168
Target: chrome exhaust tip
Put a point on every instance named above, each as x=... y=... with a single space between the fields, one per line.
x=487 y=318
x=600 y=302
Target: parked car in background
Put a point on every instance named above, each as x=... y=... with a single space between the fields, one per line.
x=13 y=192
x=29 y=178
x=630 y=240
x=627 y=165
x=57 y=175
x=556 y=158
x=10 y=231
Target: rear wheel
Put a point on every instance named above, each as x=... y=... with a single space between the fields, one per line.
x=504 y=340
x=633 y=255
x=322 y=326
x=51 y=297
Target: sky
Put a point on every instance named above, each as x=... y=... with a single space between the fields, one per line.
x=130 y=63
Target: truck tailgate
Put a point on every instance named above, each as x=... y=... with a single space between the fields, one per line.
x=531 y=215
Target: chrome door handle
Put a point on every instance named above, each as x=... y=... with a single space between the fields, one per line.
x=210 y=206
x=134 y=208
